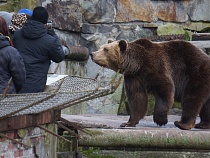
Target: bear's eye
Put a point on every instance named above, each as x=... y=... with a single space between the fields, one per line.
x=105 y=49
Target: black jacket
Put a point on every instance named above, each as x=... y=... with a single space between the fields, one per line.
x=37 y=49
x=11 y=65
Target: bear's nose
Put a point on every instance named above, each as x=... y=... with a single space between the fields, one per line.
x=91 y=55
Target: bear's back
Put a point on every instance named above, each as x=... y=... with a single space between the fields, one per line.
x=184 y=51
x=173 y=49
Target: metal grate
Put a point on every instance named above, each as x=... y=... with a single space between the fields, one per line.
x=68 y=91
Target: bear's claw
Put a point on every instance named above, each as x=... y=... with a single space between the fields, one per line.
x=127 y=124
x=160 y=119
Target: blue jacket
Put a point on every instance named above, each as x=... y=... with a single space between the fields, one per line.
x=11 y=65
x=37 y=49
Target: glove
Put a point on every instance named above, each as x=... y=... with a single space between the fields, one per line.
x=66 y=50
x=51 y=32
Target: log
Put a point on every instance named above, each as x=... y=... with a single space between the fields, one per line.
x=145 y=135
x=77 y=53
x=146 y=138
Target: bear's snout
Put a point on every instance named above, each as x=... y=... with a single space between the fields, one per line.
x=92 y=55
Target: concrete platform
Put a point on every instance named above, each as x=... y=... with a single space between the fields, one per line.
x=114 y=121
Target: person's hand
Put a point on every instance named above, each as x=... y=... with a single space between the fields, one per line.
x=51 y=32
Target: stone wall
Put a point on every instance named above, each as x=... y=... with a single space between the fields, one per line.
x=91 y=23
x=40 y=144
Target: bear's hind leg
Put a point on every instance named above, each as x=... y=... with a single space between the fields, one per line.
x=194 y=99
x=190 y=109
x=205 y=117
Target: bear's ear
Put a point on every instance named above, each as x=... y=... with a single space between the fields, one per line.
x=110 y=41
x=123 y=45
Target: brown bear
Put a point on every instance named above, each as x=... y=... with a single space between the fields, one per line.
x=172 y=70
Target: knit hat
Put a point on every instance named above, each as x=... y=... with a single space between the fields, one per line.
x=40 y=14
x=25 y=11
x=17 y=22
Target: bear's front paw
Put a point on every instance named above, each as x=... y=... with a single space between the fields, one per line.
x=160 y=119
x=128 y=124
x=183 y=126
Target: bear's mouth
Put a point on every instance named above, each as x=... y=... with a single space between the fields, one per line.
x=99 y=62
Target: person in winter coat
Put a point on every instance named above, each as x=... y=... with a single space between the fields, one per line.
x=7 y=16
x=11 y=63
x=37 y=46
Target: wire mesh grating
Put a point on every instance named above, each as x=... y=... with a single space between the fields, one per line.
x=68 y=91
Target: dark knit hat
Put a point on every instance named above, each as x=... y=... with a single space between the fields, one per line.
x=40 y=14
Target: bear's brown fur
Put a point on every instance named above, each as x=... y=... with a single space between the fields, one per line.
x=173 y=70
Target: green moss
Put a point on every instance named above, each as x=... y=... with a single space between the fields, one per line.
x=27 y=4
x=49 y=137
x=196 y=26
x=150 y=107
x=188 y=35
x=93 y=153
x=170 y=29
x=95 y=132
x=63 y=145
x=123 y=106
x=15 y=5
x=22 y=133
x=177 y=105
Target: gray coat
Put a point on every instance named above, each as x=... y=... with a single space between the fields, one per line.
x=11 y=65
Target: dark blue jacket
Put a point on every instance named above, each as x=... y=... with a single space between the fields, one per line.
x=37 y=49
x=11 y=65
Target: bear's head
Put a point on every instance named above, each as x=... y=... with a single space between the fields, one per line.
x=110 y=55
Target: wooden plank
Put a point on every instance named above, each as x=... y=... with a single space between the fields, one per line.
x=25 y=121
x=200 y=36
